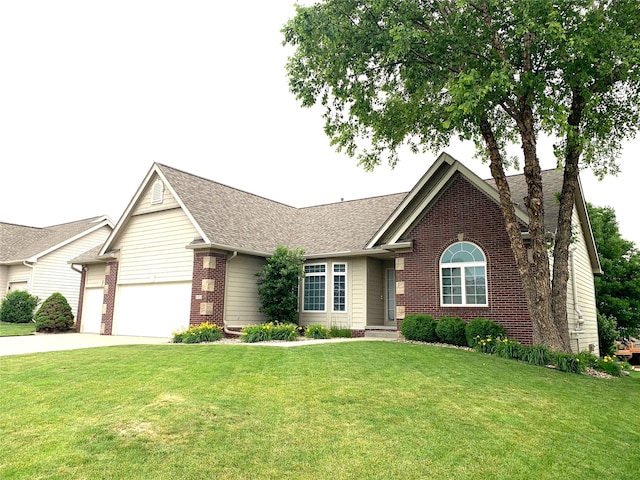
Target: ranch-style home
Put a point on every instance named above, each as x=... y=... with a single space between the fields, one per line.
x=186 y=250
x=36 y=259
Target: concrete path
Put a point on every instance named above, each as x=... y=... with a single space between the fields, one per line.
x=73 y=341
x=68 y=341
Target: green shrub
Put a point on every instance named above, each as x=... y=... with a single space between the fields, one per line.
x=270 y=331
x=316 y=331
x=419 y=327
x=278 y=285
x=487 y=344
x=569 y=362
x=451 y=330
x=18 y=307
x=285 y=331
x=340 y=332
x=483 y=328
x=508 y=348
x=607 y=334
x=256 y=333
x=588 y=359
x=610 y=365
x=203 y=332
x=54 y=315
x=539 y=355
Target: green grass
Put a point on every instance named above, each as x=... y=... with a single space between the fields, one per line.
x=347 y=410
x=14 y=329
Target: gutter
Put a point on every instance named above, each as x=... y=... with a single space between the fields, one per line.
x=26 y=263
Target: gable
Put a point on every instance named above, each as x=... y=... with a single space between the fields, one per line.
x=155 y=197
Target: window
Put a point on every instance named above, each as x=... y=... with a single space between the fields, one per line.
x=314 y=287
x=339 y=287
x=463 y=278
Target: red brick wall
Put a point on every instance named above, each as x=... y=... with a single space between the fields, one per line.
x=463 y=209
x=83 y=280
x=216 y=297
x=110 y=282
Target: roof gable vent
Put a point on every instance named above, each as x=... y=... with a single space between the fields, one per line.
x=157 y=193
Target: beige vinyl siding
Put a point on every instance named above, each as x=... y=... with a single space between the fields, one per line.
x=241 y=291
x=375 y=293
x=52 y=273
x=585 y=288
x=145 y=204
x=152 y=248
x=4 y=280
x=358 y=292
x=353 y=316
x=19 y=273
x=95 y=275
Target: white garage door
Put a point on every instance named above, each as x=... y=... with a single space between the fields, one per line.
x=92 y=310
x=152 y=310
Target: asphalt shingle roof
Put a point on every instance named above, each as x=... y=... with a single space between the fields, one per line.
x=238 y=219
x=19 y=242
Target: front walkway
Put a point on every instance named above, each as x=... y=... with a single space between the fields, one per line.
x=68 y=341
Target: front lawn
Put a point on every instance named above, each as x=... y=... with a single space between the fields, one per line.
x=14 y=329
x=371 y=410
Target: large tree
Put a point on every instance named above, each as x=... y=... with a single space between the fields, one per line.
x=618 y=289
x=497 y=72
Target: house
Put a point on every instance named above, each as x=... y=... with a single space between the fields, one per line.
x=36 y=259
x=187 y=249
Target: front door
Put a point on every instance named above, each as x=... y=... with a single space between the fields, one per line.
x=390 y=316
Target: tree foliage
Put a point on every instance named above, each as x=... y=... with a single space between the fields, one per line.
x=418 y=72
x=18 y=307
x=278 y=285
x=54 y=315
x=618 y=289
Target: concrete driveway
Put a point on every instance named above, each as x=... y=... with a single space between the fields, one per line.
x=68 y=341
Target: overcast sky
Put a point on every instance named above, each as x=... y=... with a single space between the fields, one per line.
x=93 y=92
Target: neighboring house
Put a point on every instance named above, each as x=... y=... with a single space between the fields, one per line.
x=37 y=259
x=187 y=249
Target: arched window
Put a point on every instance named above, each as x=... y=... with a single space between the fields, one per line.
x=463 y=277
x=157 y=194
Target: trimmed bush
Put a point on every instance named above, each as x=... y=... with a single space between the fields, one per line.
x=483 y=328
x=452 y=330
x=204 y=332
x=419 y=327
x=316 y=331
x=18 y=307
x=285 y=331
x=54 y=315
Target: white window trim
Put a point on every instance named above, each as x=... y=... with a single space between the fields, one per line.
x=326 y=290
x=346 y=288
x=463 y=285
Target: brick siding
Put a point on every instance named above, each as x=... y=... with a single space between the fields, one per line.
x=464 y=212
x=208 y=306
x=110 y=282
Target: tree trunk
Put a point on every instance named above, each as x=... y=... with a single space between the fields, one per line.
x=563 y=230
x=533 y=284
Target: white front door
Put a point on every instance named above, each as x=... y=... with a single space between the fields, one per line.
x=92 y=310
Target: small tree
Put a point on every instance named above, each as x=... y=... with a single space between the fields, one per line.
x=278 y=285
x=54 y=315
x=18 y=307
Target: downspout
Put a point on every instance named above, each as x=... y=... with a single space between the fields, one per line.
x=224 y=321
x=73 y=267
x=30 y=265
x=576 y=307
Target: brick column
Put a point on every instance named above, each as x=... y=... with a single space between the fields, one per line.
x=83 y=280
x=110 y=281
x=207 y=289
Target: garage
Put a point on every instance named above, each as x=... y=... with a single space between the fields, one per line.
x=92 y=310
x=152 y=310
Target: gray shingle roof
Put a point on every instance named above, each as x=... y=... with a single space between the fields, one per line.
x=242 y=220
x=19 y=242
x=551 y=185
